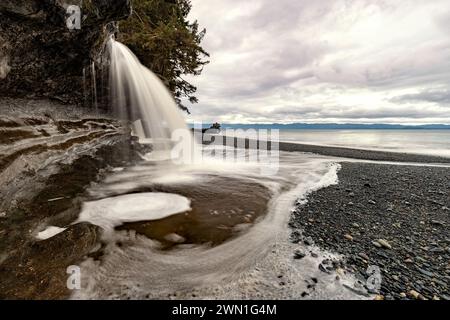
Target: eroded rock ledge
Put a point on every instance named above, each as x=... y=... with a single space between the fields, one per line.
x=49 y=154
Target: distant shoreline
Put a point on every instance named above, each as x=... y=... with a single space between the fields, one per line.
x=331 y=126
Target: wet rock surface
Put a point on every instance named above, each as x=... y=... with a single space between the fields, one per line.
x=41 y=270
x=49 y=155
x=395 y=218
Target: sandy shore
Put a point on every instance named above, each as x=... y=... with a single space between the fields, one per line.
x=394 y=217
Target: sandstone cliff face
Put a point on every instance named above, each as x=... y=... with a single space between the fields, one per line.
x=41 y=57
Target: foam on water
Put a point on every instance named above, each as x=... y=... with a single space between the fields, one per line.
x=111 y=212
x=49 y=232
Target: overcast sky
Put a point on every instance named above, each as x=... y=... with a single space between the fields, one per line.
x=324 y=61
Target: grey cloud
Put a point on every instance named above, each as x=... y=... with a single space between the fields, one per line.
x=443 y=21
x=331 y=59
x=349 y=112
x=416 y=113
x=436 y=96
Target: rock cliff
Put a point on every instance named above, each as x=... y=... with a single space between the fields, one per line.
x=44 y=52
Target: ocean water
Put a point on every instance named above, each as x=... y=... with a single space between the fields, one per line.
x=430 y=142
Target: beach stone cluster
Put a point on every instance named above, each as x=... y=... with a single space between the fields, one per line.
x=396 y=218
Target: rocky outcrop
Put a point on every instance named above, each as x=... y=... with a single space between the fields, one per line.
x=42 y=55
x=50 y=153
x=53 y=144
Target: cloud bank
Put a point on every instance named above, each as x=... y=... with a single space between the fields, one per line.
x=288 y=61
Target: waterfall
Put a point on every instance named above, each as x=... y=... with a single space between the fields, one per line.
x=94 y=86
x=138 y=95
x=84 y=88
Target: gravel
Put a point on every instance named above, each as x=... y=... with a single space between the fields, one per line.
x=393 y=217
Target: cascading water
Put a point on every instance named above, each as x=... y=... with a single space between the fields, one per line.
x=94 y=86
x=138 y=95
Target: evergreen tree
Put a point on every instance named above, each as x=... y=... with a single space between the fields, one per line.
x=160 y=35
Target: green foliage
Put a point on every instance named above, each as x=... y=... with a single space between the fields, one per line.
x=159 y=33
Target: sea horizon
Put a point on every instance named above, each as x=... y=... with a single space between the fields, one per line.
x=326 y=126
x=432 y=140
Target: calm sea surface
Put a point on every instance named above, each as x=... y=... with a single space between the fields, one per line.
x=432 y=142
